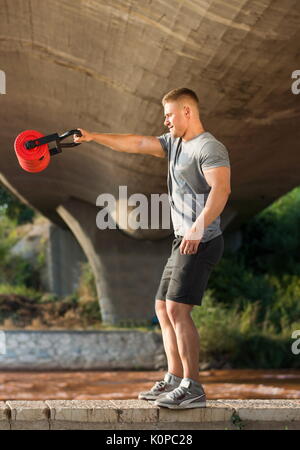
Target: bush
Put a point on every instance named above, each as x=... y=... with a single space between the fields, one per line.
x=260 y=351
x=21 y=290
x=233 y=280
x=87 y=295
x=234 y=336
x=218 y=327
x=13 y=208
x=14 y=269
x=17 y=271
x=271 y=239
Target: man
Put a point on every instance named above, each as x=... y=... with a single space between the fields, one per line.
x=199 y=187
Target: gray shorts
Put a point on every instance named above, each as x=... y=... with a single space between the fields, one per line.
x=185 y=277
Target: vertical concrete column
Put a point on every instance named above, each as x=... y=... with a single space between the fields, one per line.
x=64 y=258
x=127 y=271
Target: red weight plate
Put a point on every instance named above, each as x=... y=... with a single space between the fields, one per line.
x=33 y=160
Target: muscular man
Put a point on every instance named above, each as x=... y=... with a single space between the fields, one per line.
x=198 y=187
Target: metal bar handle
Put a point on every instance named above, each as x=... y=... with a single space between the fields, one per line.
x=69 y=133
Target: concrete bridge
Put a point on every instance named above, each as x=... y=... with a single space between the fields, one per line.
x=104 y=66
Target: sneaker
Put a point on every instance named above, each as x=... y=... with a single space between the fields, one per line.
x=168 y=384
x=188 y=394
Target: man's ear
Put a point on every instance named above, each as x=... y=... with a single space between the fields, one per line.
x=187 y=111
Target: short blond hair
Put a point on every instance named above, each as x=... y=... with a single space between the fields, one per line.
x=178 y=93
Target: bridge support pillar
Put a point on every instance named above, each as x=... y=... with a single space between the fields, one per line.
x=64 y=257
x=127 y=271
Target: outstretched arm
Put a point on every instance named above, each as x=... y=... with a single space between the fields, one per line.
x=129 y=143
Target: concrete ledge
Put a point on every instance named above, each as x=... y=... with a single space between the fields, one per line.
x=143 y=415
x=274 y=414
x=4 y=416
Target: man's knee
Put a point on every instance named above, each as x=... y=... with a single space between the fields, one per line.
x=177 y=311
x=160 y=308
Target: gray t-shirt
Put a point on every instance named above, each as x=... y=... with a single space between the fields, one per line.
x=187 y=187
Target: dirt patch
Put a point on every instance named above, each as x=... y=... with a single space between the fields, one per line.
x=20 y=312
